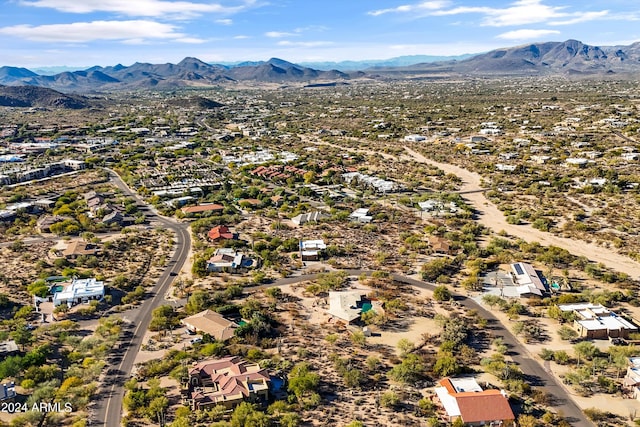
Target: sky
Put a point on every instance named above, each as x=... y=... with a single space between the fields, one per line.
x=78 y=33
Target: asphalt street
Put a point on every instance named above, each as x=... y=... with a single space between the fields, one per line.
x=535 y=374
x=108 y=408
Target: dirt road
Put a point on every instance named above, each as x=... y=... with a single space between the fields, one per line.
x=490 y=216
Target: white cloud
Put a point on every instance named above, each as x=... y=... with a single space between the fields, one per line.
x=584 y=17
x=133 y=32
x=422 y=6
x=304 y=44
x=279 y=34
x=190 y=40
x=241 y=37
x=224 y=21
x=315 y=28
x=526 y=34
x=520 y=12
x=148 y=8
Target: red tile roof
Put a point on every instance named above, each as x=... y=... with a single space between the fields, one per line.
x=488 y=405
x=202 y=208
x=220 y=232
x=233 y=377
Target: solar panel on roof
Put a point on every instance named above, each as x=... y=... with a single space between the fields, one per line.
x=518 y=268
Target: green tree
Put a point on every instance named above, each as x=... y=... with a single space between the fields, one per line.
x=405 y=346
x=246 y=415
x=163 y=318
x=441 y=293
x=446 y=364
x=409 y=370
x=199 y=267
x=585 y=350
x=302 y=381
x=567 y=333
x=198 y=301
x=434 y=268
x=389 y=399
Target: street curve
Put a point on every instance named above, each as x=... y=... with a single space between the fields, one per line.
x=490 y=216
x=534 y=372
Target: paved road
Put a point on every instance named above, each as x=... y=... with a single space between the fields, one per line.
x=108 y=409
x=535 y=373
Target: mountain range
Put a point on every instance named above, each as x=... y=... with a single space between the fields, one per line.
x=570 y=57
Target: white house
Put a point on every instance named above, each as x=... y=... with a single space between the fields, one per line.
x=314 y=216
x=79 y=291
x=415 y=138
x=361 y=215
x=527 y=279
x=346 y=306
x=310 y=249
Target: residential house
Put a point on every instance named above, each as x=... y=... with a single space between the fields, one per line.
x=7 y=216
x=8 y=348
x=210 y=207
x=221 y=232
x=478 y=139
x=116 y=217
x=528 y=282
x=595 y=321
x=632 y=378
x=7 y=391
x=227 y=382
x=348 y=306
x=229 y=260
x=463 y=398
x=45 y=203
x=576 y=161
x=74 y=164
x=310 y=250
x=45 y=222
x=378 y=184
x=361 y=215
x=210 y=323
x=77 y=248
x=415 y=138
x=252 y=203
x=79 y=291
x=309 y=217
x=439 y=245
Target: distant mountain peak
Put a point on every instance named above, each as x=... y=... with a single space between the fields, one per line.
x=571 y=57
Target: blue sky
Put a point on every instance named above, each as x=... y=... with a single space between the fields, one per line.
x=36 y=33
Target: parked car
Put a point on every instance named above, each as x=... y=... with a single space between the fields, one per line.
x=196 y=340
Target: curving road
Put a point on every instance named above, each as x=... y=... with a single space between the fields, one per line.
x=535 y=374
x=108 y=408
x=490 y=216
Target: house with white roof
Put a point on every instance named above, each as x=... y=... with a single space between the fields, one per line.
x=310 y=249
x=632 y=378
x=314 y=216
x=597 y=322
x=361 y=215
x=229 y=260
x=415 y=138
x=527 y=280
x=79 y=291
x=346 y=306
